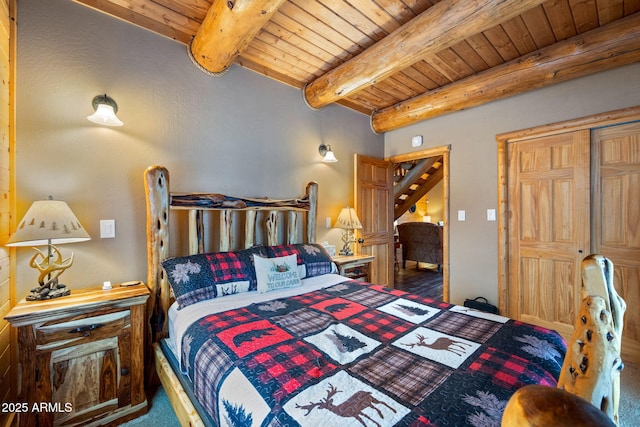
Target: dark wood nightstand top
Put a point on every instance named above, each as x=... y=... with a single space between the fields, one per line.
x=27 y=312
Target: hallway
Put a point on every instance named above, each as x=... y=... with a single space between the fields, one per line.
x=423 y=281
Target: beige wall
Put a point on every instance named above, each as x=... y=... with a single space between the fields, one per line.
x=240 y=134
x=473 y=244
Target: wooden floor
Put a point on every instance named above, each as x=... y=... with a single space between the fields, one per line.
x=422 y=281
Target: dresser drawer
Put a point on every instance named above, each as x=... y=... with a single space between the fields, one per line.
x=355 y=272
x=75 y=330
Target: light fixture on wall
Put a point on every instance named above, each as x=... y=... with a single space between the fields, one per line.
x=48 y=222
x=105 y=111
x=348 y=220
x=327 y=153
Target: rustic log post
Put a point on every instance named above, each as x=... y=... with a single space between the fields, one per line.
x=591 y=369
x=542 y=406
x=272 y=228
x=156 y=179
x=196 y=232
x=292 y=227
x=592 y=365
x=226 y=230
x=312 y=194
x=157 y=191
x=250 y=229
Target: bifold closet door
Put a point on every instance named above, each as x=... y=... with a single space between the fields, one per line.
x=549 y=222
x=616 y=218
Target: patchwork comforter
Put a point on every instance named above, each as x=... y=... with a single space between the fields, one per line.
x=363 y=355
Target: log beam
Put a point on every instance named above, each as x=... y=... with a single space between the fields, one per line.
x=439 y=27
x=227 y=30
x=607 y=47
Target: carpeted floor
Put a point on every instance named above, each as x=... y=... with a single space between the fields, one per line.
x=630 y=396
x=160 y=411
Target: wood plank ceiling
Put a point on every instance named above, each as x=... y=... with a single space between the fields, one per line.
x=400 y=61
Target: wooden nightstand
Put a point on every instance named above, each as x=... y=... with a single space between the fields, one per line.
x=81 y=357
x=355 y=267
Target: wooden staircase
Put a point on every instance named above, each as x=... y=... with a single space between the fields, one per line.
x=412 y=180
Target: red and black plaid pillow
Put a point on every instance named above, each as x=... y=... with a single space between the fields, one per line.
x=199 y=277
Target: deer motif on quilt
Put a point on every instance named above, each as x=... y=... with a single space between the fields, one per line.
x=442 y=343
x=353 y=407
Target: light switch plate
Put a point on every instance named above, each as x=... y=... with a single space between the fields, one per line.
x=491 y=214
x=107 y=228
x=462 y=215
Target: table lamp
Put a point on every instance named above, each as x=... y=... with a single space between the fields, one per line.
x=48 y=222
x=348 y=220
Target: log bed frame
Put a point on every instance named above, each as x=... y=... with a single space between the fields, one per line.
x=160 y=201
x=597 y=334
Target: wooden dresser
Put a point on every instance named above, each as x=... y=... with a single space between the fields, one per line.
x=81 y=358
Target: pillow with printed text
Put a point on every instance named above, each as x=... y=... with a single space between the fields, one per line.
x=276 y=273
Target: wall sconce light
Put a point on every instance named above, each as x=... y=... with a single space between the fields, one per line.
x=327 y=153
x=105 y=111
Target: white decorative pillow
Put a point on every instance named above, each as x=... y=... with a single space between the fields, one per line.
x=276 y=273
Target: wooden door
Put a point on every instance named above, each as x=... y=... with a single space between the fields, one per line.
x=548 y=227
x=616 y=218
x=374 y=205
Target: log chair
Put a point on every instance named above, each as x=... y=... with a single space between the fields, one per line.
x=590 y=375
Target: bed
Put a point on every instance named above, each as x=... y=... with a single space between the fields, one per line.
x=264 y=332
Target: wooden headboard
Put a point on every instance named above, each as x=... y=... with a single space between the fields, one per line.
x=161 y=201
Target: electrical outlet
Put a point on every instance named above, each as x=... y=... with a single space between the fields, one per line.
x=107 y=228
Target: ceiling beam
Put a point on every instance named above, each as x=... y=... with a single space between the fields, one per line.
x=439 y=27
x=158 y=20
x=228 y=28
x=607 y=47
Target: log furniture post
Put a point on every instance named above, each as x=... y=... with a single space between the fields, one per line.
x=590 y=375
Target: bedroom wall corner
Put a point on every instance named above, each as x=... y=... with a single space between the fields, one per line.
x=239 y=134
x=473 y=243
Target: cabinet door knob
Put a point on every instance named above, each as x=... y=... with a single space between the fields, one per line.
x=124 y=371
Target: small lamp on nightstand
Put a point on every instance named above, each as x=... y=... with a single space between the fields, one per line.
x=348 y=220
x=45 y=223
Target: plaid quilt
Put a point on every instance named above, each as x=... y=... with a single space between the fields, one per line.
x=363 y=355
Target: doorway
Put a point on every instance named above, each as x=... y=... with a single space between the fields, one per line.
x=433 y=161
